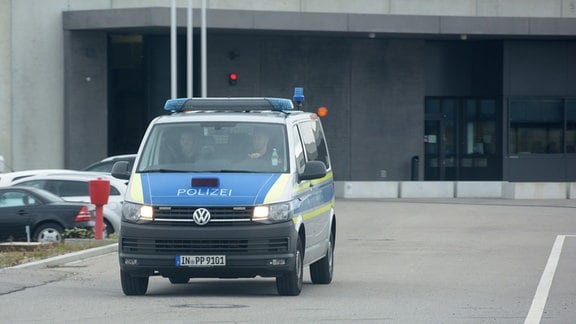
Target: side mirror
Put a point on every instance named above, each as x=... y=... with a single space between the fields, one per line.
x=121 y=170
x=313 y=170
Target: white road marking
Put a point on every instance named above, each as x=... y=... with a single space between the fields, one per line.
x=537 y=308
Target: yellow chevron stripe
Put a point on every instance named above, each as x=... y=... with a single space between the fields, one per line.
x=277 y=189
x=136 y=189
x=318 y=211
x=305 y=186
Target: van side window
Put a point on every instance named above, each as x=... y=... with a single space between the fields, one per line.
x=298 y=151
x=314 y=143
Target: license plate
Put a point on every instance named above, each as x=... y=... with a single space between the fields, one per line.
x=200 y=260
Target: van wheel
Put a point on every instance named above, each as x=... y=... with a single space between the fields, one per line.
x=179 y=279
x=133 y=286
x=322 y=270
x=290 y=284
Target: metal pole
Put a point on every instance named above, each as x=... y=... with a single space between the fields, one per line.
x=173 y=71
x=190 y=53
x=203 y=49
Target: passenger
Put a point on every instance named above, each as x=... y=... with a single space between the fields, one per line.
x=259 y=148
x=188 y=146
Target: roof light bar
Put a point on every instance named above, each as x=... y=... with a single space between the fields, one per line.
x=228 y=104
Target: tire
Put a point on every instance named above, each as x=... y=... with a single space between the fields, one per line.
x=179 y=280
x=322 y=270
x=49 y=232
x=133 y=286
x=290 y=284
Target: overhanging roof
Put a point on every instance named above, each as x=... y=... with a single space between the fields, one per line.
x=159 y=18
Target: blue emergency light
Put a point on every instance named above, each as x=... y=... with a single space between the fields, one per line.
x=298 y=95
x=228 y=104
x=175 y=104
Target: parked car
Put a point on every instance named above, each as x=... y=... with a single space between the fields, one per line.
x=106 y=164
x=6 y=179
x=46 y=214
x=75 y=187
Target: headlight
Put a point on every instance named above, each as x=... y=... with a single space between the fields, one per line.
x=275 y=213
x=135 y=212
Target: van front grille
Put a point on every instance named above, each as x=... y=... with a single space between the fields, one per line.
x=170 y=247
x=218 y=215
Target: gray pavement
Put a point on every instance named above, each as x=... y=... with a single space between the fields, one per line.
x=25 y=275
x=414 y=260
x=10 y=278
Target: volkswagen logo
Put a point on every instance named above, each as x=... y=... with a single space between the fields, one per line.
x=201 y=216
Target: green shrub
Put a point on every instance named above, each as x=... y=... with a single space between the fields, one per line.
x=77 y=232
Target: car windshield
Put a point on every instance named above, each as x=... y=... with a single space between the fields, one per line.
x=215 y=147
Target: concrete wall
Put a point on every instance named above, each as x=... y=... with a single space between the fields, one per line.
x=541 y=68
x=32 y=43
x=544 y=190
x=5 y=86
x=86 y=97
x=464 y=68
x=35 y=103
x=386 y=106
x=454 y=189
x=37 y=84
x=373 y=88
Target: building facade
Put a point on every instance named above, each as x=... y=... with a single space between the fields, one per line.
x=470 y=90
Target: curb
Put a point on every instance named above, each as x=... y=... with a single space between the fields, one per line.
x=66 y=258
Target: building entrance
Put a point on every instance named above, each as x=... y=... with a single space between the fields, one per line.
x=462 y=139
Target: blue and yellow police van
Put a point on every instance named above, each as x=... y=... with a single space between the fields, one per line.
x=229 y=188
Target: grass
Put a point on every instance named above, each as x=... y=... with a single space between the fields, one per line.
x=12 y=256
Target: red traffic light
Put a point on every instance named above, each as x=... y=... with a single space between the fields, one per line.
x=232 y=78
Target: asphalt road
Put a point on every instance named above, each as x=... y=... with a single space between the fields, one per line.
x=397 y=261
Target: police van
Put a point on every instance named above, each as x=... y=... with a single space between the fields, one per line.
x=229 y=188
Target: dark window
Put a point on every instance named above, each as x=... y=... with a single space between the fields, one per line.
x=571 y=126
x=13 y=199
x=33 y=183
x=71 y=188
x=298 y=151
x=216 y=147
x=114 y=191
x=480 y=122
x=102 y=167
x=314 y=143
x=17 y=199
x=536 y=126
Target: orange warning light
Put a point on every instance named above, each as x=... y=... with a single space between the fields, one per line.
x=322 y=111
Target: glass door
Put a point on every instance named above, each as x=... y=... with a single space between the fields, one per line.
x=462 y=139
x=440 y=138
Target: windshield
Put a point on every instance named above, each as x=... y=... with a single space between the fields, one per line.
x=215 y=147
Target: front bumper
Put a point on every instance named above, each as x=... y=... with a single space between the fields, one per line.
x=250 y=250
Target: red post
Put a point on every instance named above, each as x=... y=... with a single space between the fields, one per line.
x=99 y=193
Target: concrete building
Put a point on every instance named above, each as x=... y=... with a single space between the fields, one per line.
x=443 y=90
